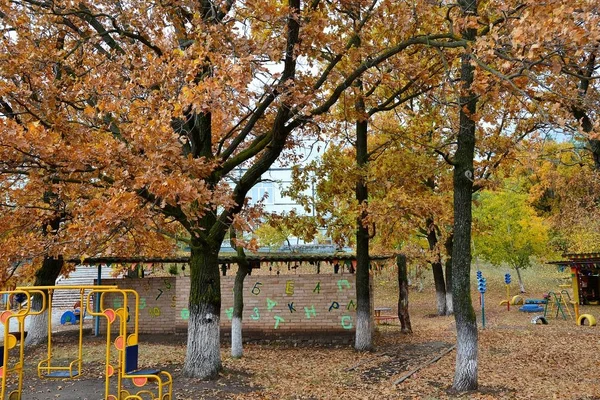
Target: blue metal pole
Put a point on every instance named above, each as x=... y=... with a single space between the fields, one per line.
x=483 y=310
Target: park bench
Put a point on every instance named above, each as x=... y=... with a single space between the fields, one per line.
x=380 y=318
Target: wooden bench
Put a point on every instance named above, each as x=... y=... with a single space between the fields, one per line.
x=379 y=317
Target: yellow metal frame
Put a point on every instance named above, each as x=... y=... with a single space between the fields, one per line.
x=110 y=316
x=10 y=341
x=75 y=366
x=163 y=379
x=575 y=286
x=45 y=367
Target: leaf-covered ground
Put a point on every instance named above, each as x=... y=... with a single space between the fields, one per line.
x=517 y=360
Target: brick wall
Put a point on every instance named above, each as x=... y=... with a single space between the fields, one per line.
x=274 y=306
x=158 y=303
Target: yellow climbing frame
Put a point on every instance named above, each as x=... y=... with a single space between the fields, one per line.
x=11 y=340
x=111 y=316
x=130 y=308
x=46 y=369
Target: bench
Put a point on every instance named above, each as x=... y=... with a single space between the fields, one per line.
x=379 y=317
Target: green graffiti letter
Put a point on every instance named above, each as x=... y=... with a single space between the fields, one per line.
x=270 y=304
x=343 y=282
x=278 y=319
x=185 y=314
x=256 y=315
x=310 y=311
x=229 y=313
x=347 y=322
x=351 y=305
x=317 y=288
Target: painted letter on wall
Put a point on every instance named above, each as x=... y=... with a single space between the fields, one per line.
x=347 y=322
x=343 y=282
x=289 y=288
x=270 y=304
x=278 y=319
x=310 y=311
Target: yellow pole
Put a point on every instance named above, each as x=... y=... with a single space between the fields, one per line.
x=20 y=317
x=21 y=320
x=5 y=356
x=49 y=330
x=81 y=314
x=574 y=273
x=98 y=293
x=67 y=287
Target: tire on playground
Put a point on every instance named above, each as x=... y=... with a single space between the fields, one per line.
x=539 y=319
x=586 y=317
x=517 y=300
x=503 y=302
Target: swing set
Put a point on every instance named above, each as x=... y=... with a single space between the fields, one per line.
x=126 y=343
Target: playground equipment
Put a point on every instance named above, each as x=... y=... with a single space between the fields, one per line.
x=127 y=351
x=507 y=283
x=73 y=316
x=11 y=339
x=560 y=303
x=589 y=318
x=482 y=287
x=47 y=368
x=126 y=343
x=539 y=319
x=531 y=308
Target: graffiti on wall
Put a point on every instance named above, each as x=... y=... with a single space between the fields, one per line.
x=268 y=309
x=152 y=301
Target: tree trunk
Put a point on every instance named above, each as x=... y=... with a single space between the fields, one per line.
x=465 y=375
x=203 y=357
x=237 y=349
x=364 y=324
x=581 y=114
x=37 y=331
x=403 y=295
x=448 y=268
x=440 y=287
x=521 y=284
x=436 y=267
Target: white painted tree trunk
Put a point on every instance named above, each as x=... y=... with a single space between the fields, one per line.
x=465 y=376
x=441 y=303
x=449 y=304
x=364 y=331
x=237 y=350
x=204 y=344
x=521 y=284
x=37 y=329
